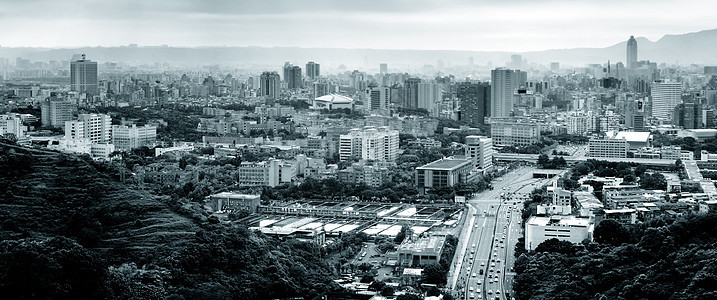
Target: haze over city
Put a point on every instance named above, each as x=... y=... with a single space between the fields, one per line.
x=514 y=26
x=358 y=150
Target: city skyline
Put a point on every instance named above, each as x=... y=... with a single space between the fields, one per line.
x=517 y=26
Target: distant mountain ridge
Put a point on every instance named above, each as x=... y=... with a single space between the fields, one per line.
x=696 y=47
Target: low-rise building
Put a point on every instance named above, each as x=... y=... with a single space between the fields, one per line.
x=444 y=172
x=230 y=201
x=272 y=173
x=567 y=228
x=587 y=204
x=620 y=196
x=420 y=251
x=515 y=131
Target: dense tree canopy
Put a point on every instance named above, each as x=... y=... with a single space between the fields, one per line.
x=663 y=258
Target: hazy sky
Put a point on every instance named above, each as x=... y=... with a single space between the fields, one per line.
x=508 y=25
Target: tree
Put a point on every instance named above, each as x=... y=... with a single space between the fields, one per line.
x=654 y=181
x=611 y=232
x=434 y=274
x=555 y=245
x=402 y=234
x=367 y=278
x=387 y=290
x=543 y=160
x=365 y=267
x=409 y=297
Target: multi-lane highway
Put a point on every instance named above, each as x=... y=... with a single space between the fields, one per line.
x=486 y=260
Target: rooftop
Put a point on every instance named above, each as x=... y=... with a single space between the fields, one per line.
x=333 y=98
x=566 y=221
x=633 y=136
x=445 y=164
x=236 y=196
x=428 y=244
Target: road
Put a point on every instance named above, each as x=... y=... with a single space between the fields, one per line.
x=490 y=243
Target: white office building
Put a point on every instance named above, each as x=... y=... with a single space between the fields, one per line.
x=514 y=131
x=126 y=138
x=480 y=148
x=566 y=228
x=94 y=127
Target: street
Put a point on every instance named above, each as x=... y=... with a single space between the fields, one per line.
x=484 y=264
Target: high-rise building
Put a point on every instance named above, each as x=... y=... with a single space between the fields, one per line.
x=383 y=68
x=554 y=66
x=313 y=70
x=126 y=138
x=56 y=111
x=481 y=149
x=688 y=115
x=269 y=85
x=502 y=88
x=516 y=61
x=292 y=76
x=665 y=96
x=369 y=143
x=320 y=89
x=410 y=92
x=429 y=95
x=96 y=128
x=378 y=98
x=475 y=101
x=83 y=75
x=631 y=53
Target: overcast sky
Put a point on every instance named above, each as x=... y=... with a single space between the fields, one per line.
x=506 y=25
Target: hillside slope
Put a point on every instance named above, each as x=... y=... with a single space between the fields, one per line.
x=70 y=229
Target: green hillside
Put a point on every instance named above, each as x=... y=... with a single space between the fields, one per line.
x=71 y=229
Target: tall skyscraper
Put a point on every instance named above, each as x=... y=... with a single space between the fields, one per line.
x=429 y=95
x=502 y=88
x=383 y=68
x=631 y=53
x=269 y=85
x=410 y=92
x=313 y=70
x=475 y=101
x=516 y=61
x=292 y=76
x=83 y=75
x=665 y=96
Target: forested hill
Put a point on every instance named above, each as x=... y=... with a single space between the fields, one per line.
x=69 y=229
x=663 y=258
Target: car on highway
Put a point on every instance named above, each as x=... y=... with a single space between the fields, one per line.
x=470 y=288
x=491 y=270
x=474 y=275
x=478 y=281
x=497 y=271
x=490 y=292
x=482 y=264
